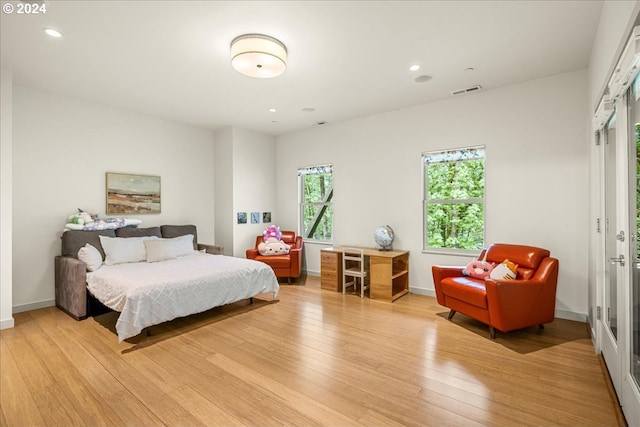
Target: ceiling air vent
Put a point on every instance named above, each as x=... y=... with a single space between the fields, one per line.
x=470 y=89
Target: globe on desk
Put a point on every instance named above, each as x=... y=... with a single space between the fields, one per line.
x=384 y=237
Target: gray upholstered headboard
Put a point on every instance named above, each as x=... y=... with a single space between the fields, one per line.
x=73 y=240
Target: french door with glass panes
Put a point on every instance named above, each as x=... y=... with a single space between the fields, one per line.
x=618 y=327
x=630 y=247
x=611 y=328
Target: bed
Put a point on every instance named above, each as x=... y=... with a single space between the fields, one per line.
x=149 y=293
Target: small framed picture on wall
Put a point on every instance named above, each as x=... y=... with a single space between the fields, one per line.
x=266 y=216
x=255 y=217
x=242 y=217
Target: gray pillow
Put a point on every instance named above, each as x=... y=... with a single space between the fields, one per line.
x=138 y=232
x=73 y=240
x=170 y=231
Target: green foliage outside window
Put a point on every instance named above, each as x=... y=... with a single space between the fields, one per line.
x=316 y=207
x=454 y=205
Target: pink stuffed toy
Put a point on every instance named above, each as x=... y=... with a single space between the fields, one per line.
x=478 y=269
x=272 y=231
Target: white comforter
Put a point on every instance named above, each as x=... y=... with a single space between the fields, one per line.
x=147 y=294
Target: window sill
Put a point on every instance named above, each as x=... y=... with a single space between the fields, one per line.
x=318 y=242
x=453 y=252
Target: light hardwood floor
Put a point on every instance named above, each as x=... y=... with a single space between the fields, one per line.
x=314 y=357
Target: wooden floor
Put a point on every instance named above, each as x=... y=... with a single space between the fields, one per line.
x=312 y=358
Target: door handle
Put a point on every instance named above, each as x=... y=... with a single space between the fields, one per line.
x=619 y=260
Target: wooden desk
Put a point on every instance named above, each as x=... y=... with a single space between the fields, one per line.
x=388 y=272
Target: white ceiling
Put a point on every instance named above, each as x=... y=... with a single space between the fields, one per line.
x=345 y=58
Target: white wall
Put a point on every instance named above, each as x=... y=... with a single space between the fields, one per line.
x=223 y=169
x=536 y=179
x=6 y=189
x=254 y=189
x=63 y=147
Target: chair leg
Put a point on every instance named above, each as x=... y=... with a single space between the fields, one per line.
x=541 y=326
x=492 y=332
x=451 y=313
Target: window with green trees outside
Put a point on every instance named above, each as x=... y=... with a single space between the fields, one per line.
x=316 y=207
x=453 y=204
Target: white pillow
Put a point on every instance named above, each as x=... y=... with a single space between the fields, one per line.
x=183 y=244
x=119 y=250
x=160 y=250
x=90 y=256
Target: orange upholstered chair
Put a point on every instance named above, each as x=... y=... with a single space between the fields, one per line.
x=289 y=266
x=506 y=305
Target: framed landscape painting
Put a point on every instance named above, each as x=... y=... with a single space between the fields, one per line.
x=132 y=194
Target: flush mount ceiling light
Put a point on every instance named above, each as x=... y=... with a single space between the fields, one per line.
x=257 y=55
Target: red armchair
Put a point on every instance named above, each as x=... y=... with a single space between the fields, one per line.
x=505 y=305
x=289 y=266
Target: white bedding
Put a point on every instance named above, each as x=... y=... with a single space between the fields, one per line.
x=148 y=293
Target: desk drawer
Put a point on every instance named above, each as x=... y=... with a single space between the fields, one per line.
x=329 y=260
x=330 y=281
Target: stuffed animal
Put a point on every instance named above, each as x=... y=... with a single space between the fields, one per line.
x=88 y=221
x=273 y=246
x=82 y=218
x=506 y=270
x=478 y=269
x=272 y=231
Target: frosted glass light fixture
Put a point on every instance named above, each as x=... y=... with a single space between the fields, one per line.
x=257 y=55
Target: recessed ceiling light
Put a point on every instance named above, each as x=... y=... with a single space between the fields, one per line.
x=309 y=109
x=53 y=33
x=469 y=69
x=423 y=78
x=272 y=110
x=415 y=67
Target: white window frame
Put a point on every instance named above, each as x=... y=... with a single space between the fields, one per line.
x=328 y=202
x=451 y=155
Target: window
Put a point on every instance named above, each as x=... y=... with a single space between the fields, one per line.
x=316 y=207
x=453 y=205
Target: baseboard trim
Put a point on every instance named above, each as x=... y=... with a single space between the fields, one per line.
x=33 y=306
x=7 y=323
x=571 y=315
x=422 y=291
